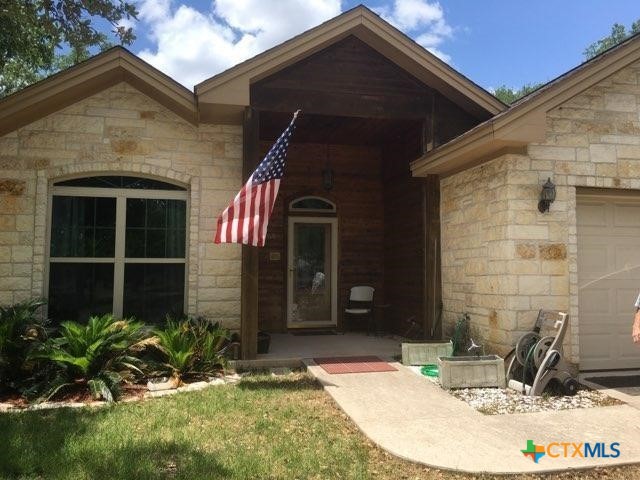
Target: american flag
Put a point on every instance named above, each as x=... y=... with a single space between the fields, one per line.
x=245 y=220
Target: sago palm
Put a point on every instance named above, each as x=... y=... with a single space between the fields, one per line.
x=100 y=355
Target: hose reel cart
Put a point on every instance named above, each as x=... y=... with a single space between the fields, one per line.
x=539 y=360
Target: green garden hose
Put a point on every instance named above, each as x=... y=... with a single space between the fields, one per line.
x=527 y=366
x=430 y=370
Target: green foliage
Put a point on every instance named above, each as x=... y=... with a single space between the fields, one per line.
x=178 y=345
x=99 y=355
x=619 y=33
x=510 y=95
x=22 y=330
x=461 y=337
x=34 y=32
x=192 y=347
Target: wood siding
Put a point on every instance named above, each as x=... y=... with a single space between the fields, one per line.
x=348 y=78
x=449 y=121
x=358 y=195
x=404 y=240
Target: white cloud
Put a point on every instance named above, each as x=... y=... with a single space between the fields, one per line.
x=421 y=19
x=192 y=45
x=153 y=10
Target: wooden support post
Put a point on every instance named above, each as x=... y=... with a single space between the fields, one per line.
x=433 y=284
x=249 y=282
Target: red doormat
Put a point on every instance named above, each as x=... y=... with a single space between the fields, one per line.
x=364 y=364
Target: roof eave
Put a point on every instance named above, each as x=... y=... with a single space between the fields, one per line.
x=231 y=87
x=87 y=78
x=524 y=122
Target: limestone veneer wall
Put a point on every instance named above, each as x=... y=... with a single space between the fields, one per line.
x=502 y=260
x=122 y=131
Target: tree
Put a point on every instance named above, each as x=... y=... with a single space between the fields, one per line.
x=38 y=36
x=618 y=34
x=509 y=95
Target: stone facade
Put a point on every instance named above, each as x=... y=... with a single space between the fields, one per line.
x=122 y=131
x=502 y=260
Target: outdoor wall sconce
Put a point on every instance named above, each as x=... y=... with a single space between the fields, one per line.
x=327 y=179
x=547 y=196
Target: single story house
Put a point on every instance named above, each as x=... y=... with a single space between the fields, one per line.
x=403 y=175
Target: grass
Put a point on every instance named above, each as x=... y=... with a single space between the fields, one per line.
x=266 y=427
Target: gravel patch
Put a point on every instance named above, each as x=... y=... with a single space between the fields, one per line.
x=497 y=401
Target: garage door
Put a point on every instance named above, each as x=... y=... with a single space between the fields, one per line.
x=609 y=280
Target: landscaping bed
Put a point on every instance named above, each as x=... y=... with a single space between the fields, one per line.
x=129 y=393
x=265 y=427
x=496 y=401
x=104 y=359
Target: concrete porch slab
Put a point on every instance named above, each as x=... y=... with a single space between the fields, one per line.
x=288 y=350
x=287 y=346
x=416 y=420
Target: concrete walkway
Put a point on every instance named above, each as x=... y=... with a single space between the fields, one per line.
x=415 y=419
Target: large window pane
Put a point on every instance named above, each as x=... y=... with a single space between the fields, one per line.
x=151 y=291
x=79 y=290
x=155 y=228
x=83 y=227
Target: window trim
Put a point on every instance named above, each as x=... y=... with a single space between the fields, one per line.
x=297 y=210
x=118 y=260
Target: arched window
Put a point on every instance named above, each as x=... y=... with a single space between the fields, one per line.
x=117 y=244
x=312 y=204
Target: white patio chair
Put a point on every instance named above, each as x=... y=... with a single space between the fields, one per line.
x=360 y=305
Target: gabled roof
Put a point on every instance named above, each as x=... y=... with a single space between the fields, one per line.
x=231 y=87
x=525 y=120
x=89 y=77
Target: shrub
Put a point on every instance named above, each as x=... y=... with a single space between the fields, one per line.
x=22 y=329
x=98 y=356
x=464 y=334
x=192 y=347
x=460 y=334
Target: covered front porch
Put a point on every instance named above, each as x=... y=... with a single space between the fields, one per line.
x=290 y=347
x=348 y=212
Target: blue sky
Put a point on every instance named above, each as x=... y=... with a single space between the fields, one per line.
x=493 y=42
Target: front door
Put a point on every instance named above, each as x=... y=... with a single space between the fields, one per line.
x=312 y=276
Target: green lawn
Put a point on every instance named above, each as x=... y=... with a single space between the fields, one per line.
x=264 y=428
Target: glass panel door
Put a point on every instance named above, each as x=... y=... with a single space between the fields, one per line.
x=312 y=271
